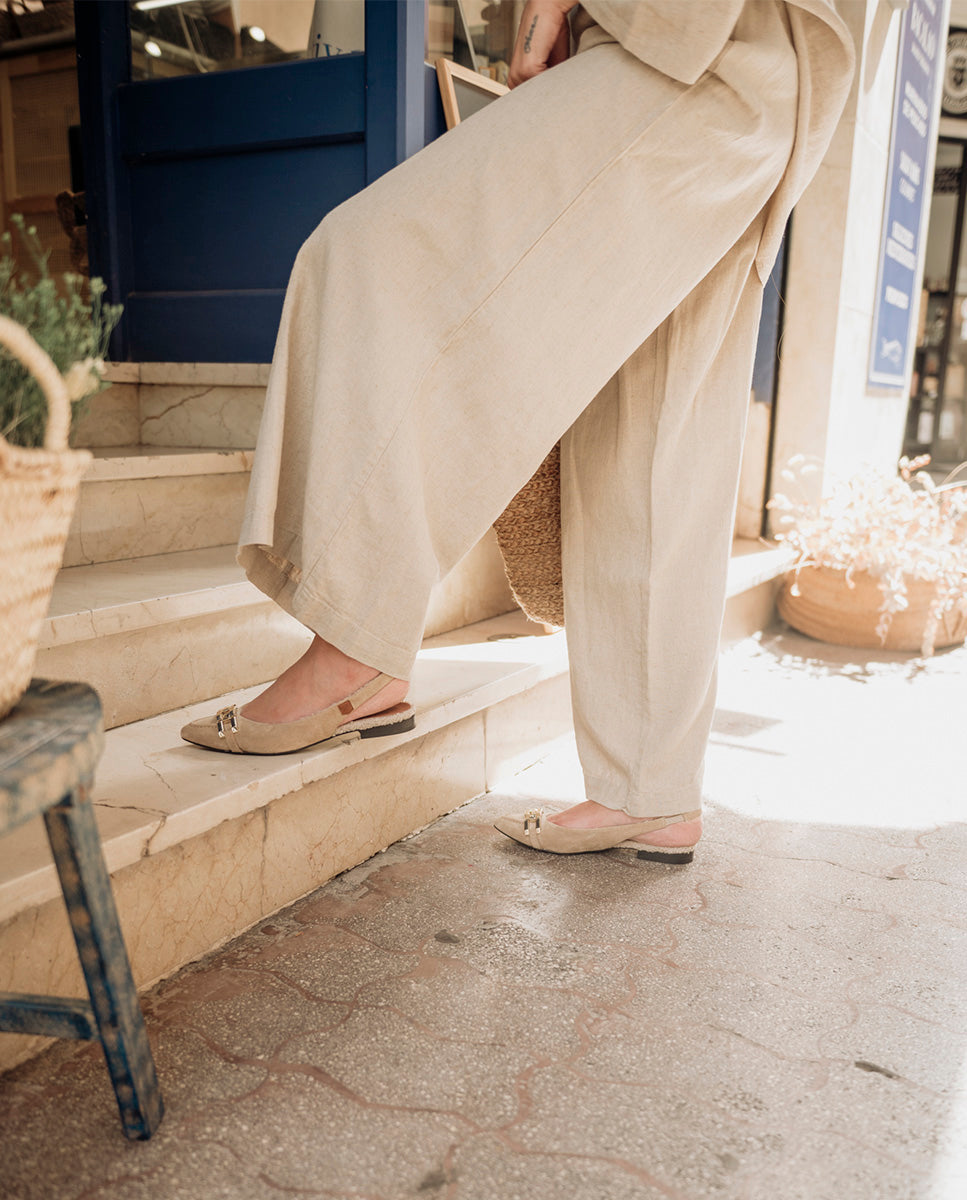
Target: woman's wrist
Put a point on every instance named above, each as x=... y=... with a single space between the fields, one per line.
x=543 y=39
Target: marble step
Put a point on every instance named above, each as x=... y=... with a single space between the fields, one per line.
x=176 y=404
x=155 y=633
x=202 y=845
x=755 y=574
x=138 y=501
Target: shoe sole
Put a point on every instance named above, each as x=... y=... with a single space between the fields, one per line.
x=672 y=856
x=386 y=730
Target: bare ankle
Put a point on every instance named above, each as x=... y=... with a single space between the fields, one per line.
x=591 y=815
x=324 y=675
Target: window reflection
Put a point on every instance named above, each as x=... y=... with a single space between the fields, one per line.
x=478 y=34
x=937 y=416
x=188 y=37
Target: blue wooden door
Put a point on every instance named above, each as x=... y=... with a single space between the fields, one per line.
x=201 y=188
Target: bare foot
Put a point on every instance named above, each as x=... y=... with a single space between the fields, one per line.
x=322 y=676
x=591 y=815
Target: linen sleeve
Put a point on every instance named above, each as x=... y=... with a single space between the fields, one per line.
x=680 y=38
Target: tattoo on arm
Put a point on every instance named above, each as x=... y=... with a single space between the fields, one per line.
x=530 y=36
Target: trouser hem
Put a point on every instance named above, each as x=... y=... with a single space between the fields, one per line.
x=280 y=584
x=642 y=805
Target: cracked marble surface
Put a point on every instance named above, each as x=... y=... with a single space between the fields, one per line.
x=461 y=1018
x=124 y=518
x=200 y=415
x=172 y=404
x=112 y=417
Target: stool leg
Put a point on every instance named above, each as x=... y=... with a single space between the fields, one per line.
x=86 y=885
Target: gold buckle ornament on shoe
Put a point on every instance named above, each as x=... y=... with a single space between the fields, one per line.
x=535 y=815
x=230 y=715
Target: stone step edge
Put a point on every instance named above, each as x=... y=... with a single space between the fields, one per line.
x=182 y=374
x=222 y=585
x=154 y=791
x=111 y=464
x=754 y=562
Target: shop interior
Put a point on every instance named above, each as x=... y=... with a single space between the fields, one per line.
x=41 y=172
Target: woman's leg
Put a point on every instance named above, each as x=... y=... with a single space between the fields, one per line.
x=649 y=474
x=446 y=326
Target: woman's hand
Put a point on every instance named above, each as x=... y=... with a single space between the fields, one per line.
x=543 y=39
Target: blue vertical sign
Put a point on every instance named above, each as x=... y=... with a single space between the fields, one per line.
x=919 y=73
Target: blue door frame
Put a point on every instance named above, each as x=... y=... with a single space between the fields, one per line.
x=200 y=189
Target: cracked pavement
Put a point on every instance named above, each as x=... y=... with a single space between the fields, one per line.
x=461 y=1018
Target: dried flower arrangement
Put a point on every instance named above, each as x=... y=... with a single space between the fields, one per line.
x=72 y=328
x=901 y=531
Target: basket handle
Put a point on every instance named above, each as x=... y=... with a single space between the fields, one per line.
x=38 y=362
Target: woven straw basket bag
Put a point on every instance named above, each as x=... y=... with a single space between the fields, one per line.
x=38 y=491
x=529 y=537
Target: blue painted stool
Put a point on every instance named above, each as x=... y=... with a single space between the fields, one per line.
x=49 y=747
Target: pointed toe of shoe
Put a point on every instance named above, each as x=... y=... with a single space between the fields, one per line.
x=202 y=733
x=512 y=827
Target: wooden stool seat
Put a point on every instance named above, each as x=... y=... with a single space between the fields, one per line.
x=49 y=747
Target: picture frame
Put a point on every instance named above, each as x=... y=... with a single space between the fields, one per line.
x=463 y=91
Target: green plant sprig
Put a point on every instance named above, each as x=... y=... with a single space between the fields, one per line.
x=72 y=328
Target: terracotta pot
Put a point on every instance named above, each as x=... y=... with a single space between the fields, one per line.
x=830 y=611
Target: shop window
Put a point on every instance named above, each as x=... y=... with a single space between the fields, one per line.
x=937 y=417
x=478 y=34
x=190 y=37
x=38 y=110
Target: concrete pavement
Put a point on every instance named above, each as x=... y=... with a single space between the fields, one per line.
x=463 y=1019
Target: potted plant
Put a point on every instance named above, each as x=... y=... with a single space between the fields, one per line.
x=53 y=339
x=881 y=561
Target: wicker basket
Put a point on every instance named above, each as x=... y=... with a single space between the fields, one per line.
x=828 y=609
x=529 y=537
x=38 y=491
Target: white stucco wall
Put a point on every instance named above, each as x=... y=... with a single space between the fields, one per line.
x=824 y=406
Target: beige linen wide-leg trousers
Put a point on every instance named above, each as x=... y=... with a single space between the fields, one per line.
x=575 y=261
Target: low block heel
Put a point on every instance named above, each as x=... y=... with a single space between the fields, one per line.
x=674 y=856
x=386 y=730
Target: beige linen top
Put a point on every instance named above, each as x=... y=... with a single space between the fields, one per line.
x=682 y=39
